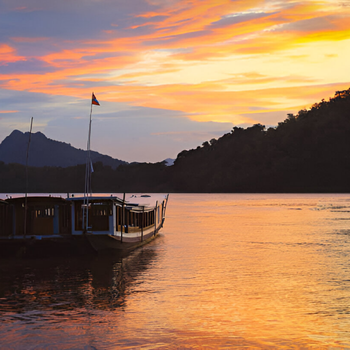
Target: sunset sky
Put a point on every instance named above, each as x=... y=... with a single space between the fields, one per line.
x=169 y=74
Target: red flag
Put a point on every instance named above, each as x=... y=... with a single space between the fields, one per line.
x=94 y=100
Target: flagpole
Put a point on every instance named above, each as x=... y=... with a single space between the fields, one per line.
x=88 y=190
x=88 y=172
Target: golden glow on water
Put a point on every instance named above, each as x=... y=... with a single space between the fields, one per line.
x=244 y=271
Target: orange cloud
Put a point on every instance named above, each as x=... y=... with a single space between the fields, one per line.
x=8 y=54
x=182 y=35
x=267 y=34
x=206 y=103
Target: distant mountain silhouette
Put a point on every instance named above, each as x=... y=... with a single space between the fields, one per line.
x=47 y=152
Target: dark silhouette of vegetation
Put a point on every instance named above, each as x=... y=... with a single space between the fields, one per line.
x=138 y=177
x=307 y=152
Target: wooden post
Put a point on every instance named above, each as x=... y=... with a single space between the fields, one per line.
x=123 y=219
x=142 y=219
x=155 y=218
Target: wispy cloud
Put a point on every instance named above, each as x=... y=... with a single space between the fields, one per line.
x=224 y=61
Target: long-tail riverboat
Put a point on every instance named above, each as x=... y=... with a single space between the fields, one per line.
x=42 y=225
x=115 y=223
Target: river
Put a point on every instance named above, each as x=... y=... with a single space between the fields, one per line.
x=261 y=271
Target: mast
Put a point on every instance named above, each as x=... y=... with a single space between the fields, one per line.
x=88 y=171
x=26 y=194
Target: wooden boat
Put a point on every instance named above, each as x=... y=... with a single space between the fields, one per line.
x=38 y=226
x=54 y=225
x=118 y=224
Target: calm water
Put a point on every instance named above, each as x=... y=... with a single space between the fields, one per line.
x=228 y=271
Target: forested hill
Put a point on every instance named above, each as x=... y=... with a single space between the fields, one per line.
x=308 y=152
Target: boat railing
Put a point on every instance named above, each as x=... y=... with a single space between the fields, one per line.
x=134 y=229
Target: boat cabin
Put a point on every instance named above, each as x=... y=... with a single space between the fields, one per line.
x=45 y=216
x=5 y=219
x=112 y=215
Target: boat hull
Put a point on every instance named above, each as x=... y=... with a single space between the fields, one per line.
x=45 y=247
x=108 y=242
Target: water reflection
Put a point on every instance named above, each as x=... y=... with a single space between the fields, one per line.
x=32 y=286
x=228 y=271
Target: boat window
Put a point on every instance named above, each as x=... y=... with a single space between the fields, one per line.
x=43 y=212
x=102 y=209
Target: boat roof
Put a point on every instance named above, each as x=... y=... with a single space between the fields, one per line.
x=134 y=200
x=97 y=198
x=36 y=199
x=5 y=196
x=94 y=196
x=131 y=200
